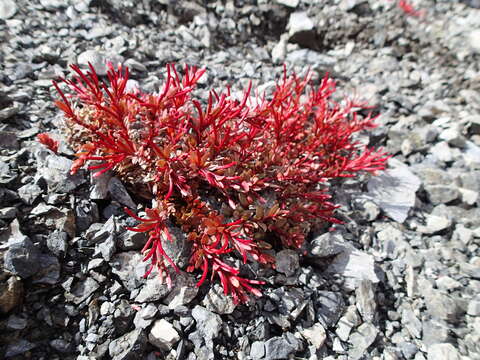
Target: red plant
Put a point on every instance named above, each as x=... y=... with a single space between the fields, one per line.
x=409 y=9
x=268 y=160
x=46 y=140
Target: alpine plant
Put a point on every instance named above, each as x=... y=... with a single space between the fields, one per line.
x=238 y=176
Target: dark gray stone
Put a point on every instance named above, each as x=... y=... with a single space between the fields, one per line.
x=278 y=348
x=128 y=346
x=22 y=258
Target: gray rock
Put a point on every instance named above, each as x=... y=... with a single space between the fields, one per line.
x=347 y=322
x=184 y=290
x=123 y=315
x=8 y=140
x=217 y=302
x=289 y=3
x=145 y=316
x=61 y=345
x=15 y=322
x=435 y=332
x=57 y=243
x=442 y=306
x=163 y=335
x=29 y=193
x=179 y=249
x=301 y=29
x=49 y=270
x=119 y=193
x=355 y=266
x=287 y=262
x=98 y=60
x=327 y=244
x=22 y=258
x=100 y=186
x=361 y=340
x=18 y=347
x=435 y=224
x=208 y=323
x=329 y=307
x=474 y=307
x=124 y=265
x=128 y=346
x=278 y=348
x=152 y=290
x=8 y=8
x=442 y=194
x=411 y=322
x=131 y=240
x=366 y=303
x=81 y=291
x=443 y=352
x=315 y=335
x=257 y=350
x=55 y=170
x=394 y=190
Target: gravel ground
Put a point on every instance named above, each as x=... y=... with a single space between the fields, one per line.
x=398 y=280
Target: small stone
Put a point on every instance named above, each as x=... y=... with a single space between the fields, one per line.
x=287 y=262
x=366 y=304
x=442 y=194
x=411 y=322
x=301 y=29
x=208 y=323
x=57 y=243
x=163 y=335
x=29 y=193
x=11 y=294
x=49 y=270
x=435 y=224
x=257 y=350
x=128 y=346
x=394 y=190
x=442 y=306
x=474 y=307
x=119 y=193
x=217 y=302
x=18 y=347
x=348 y=321
x=183 y=291
x=443 y=352
x=355 y=266
x=22 y=258
x=145 y=316
x=8 y=8
x=15 y=322
x=98 y=60
x=327 y=244
x=435 y=332
x=82 y=290
x=288 y=3
x=316 y=335
x=329 y=307
x=278 y=348
x=361 y=340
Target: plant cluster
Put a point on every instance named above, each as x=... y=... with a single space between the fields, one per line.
x=267 y=160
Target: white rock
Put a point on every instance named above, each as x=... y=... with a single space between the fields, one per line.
x=8 y=8
x=394 y=190
x=299 y=22
x=316 y=335
x=443 y=352
x=289 y=3
x=355 y=266
x=163 y=335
